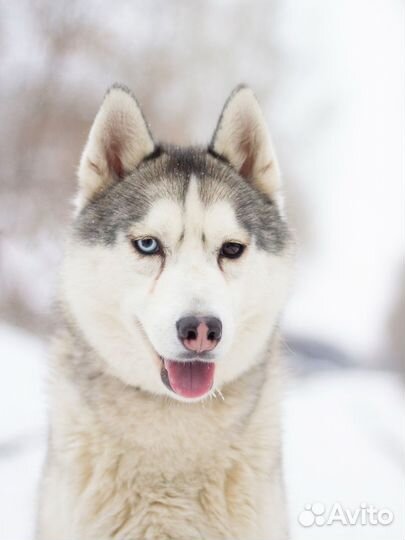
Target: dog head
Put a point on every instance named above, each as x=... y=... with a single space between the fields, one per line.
x=177 y=265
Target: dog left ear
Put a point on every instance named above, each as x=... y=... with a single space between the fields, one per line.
x=242 y=138
x=119 y=140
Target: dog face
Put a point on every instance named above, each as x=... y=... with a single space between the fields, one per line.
x=177 y=266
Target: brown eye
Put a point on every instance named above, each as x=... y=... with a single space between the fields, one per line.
x=147 y=245
x=231 y=250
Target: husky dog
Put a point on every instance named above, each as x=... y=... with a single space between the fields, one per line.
x=165 y=378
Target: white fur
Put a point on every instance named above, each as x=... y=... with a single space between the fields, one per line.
x=127 y=469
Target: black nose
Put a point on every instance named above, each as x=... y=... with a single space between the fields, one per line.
x=199 y=334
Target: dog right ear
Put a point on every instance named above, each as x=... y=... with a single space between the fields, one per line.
x=119 y=140
x=243 y=140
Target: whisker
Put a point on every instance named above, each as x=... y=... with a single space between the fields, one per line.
x=221 y=395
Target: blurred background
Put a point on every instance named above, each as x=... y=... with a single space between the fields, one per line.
x=330 y=78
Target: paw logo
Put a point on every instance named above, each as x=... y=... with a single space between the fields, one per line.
x=312 y=515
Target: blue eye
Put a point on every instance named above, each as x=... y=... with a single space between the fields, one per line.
x=147 y=245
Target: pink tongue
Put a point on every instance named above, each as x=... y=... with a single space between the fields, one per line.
x=190 y=379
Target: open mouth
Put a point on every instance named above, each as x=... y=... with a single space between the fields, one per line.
x=188 y=379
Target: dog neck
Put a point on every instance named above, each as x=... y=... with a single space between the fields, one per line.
x=130 y=418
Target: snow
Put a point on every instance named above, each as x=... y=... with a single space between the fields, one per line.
x=345 y=443
x=21 y=383
x=343 y=430
x=22 y=430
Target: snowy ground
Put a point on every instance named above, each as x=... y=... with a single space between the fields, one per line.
x=344 y=443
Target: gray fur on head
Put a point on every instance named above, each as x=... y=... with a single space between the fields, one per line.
x=123 y=172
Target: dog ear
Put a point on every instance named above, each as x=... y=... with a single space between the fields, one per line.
x=242 y=138
x=119 y=140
